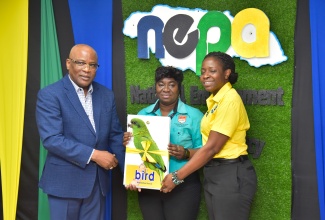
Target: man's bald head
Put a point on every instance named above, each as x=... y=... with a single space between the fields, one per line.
x=79 y=47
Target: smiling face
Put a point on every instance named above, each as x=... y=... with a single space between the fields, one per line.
x=167 y=91
x=82 y=76
x=213 y=77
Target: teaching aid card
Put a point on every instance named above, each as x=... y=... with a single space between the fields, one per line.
x=146 y=156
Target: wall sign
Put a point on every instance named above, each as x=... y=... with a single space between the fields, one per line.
x=181 y=37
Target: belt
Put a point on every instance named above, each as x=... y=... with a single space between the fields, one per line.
x=230 y=161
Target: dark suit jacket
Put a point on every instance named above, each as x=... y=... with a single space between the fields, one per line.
x=67 y=134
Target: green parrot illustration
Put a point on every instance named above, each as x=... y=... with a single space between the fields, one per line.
x=143 y=141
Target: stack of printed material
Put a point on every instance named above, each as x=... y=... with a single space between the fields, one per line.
x=146 y=155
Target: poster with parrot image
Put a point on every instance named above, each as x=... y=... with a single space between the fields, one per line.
x=146 y=155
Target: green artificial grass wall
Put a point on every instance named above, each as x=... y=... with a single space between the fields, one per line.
x=270 y=124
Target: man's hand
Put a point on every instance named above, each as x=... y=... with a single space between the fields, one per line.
x=104 y=159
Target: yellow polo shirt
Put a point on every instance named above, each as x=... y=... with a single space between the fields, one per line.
x=227 y=115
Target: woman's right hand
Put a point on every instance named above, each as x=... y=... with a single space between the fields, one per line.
x=133 y=186
x=126 y=138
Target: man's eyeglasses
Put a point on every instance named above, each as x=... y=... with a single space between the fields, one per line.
x=81 y=64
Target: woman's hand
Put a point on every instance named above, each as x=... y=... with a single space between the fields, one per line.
x=176 y=151
x=126 y=138
x=167 y=184
x=133 y=186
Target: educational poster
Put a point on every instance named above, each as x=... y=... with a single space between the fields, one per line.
x=146 y=155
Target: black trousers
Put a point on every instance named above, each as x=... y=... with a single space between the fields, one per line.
x=180 y=204
x=229 y=189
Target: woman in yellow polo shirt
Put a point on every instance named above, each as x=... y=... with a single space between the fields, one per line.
x=229 y=177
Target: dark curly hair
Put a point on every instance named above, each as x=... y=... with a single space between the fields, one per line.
x=170 y=72
x=227 y=63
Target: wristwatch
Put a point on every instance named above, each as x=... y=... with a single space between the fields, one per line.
x=186 y=154
x=175 y=178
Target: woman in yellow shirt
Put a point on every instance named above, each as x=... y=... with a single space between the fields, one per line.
x=229 y=177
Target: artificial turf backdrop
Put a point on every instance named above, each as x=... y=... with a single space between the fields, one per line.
x=269 y=123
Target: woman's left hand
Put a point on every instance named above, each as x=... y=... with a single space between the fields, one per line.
x=176 y=151
x=126 y=138
x=167 y=184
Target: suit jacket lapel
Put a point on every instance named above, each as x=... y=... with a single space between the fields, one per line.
x=74 y=99
x=96 y=97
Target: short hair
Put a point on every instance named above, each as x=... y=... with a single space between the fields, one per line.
x=227 y=63
x=170 y=72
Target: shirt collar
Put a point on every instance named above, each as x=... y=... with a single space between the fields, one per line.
x=221 y=93
x=180 y=107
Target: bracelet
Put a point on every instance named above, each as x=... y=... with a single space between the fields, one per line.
x=175 y=179
x=186 y=154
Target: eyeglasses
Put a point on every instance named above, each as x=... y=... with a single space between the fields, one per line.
x=81 y=64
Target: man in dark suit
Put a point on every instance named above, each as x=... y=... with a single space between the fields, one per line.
x=79 y=127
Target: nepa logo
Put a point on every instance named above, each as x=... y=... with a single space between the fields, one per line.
x=181 y=37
